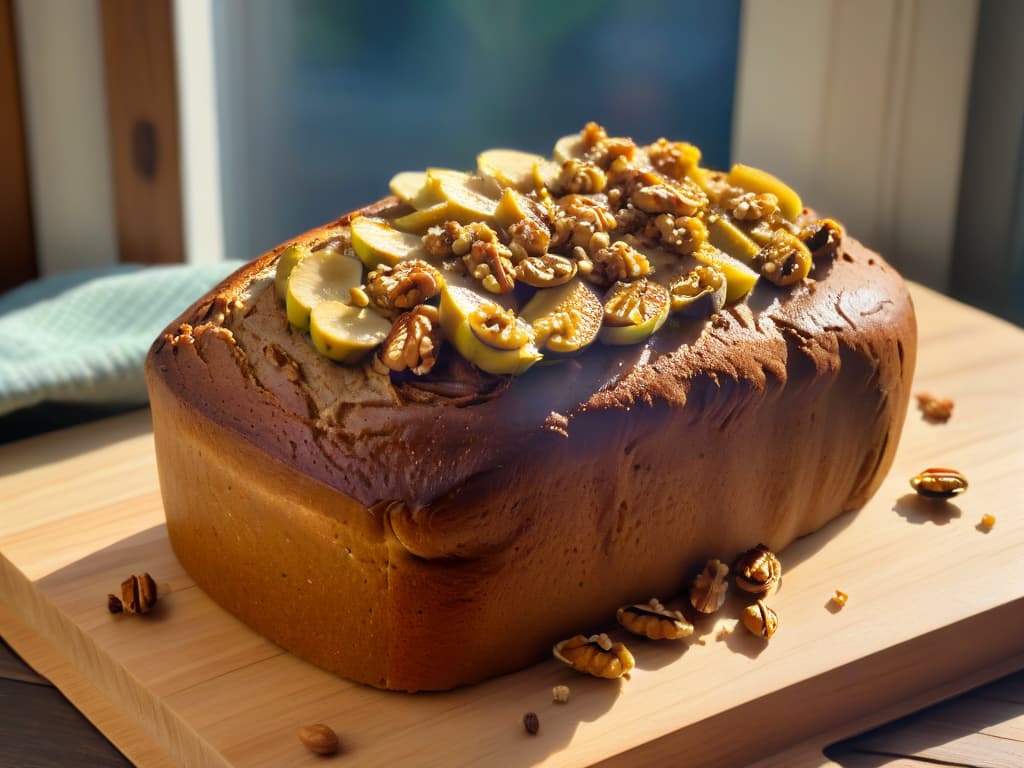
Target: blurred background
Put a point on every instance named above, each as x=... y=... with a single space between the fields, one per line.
x=198 y=132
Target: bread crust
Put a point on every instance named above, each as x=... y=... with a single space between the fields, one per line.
x=420 y=541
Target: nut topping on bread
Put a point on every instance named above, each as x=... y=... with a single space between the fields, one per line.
x=604 y=208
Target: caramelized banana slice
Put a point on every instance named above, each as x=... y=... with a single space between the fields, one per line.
x=739 y=278
x=321 y=276
x=346 y=333
x=467 y=196
x=699 y=293
x=420 y=221
x=569 y=147
x=730 y=239
x=508 y=167
x=485 y=333
x=286 y=262
x=633 y=311
x=408 y=185
x=566 y=318
x=377 y=242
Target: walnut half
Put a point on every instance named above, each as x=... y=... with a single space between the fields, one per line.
x=596 y=655
x=707 y=594
x=654 y=621
x=414 y=341
x=758 y=570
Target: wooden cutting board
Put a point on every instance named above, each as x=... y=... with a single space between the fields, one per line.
x=936 y=605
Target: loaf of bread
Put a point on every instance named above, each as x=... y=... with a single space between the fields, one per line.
x=420 y=533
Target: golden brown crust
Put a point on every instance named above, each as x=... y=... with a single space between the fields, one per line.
x=393 y=538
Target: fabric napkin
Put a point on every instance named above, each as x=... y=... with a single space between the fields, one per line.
x=82 y=337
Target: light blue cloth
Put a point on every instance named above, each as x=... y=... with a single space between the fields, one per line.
x=82 y=337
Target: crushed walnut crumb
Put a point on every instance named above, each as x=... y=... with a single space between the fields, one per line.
x=934 y=409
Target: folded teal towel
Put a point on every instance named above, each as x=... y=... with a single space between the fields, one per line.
x=82 y=337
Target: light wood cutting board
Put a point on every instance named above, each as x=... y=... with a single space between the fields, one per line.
x=936 y=605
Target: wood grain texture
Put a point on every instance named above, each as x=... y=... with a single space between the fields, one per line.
x=19 y=259
x=983 y=729
x=936 y=606
x=138 y=42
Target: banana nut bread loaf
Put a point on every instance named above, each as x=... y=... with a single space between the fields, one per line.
x=418 y=496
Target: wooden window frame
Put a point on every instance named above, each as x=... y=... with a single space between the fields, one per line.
x=19 y=256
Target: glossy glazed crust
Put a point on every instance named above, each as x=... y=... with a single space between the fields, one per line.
x=426 y=542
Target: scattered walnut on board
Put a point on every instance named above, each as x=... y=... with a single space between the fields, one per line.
x=939 y=483
x=596 y=655
x=138 y=595
x=560 y=694
x=319 y=739
x=654 y=621
x=707 y=594
x=758 y=570
x=934 y=409
x=761 y=620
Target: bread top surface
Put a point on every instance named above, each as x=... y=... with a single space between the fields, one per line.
x=233 y=358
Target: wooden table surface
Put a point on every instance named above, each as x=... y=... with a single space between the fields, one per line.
x=984 y=727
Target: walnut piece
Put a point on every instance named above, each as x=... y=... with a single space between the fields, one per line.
x=579 y=177
x=579 y=219
x=490 y=262
x=619 y=262
x=454 y=239
x=758 y=570
x=707 y=594
x=784 y=260
x=560 y=694
x=654 y=621
x=751 y=206
x=596 y=655
x=138 y=595
x=681 y=234
x=601 y=149
x=408 y=283
x=414 y=341
x=822 y=238
x=760 y=619
x=545 y=271
x=679 y=200
x=936 y=409
x=528 y=237
x=675 y=159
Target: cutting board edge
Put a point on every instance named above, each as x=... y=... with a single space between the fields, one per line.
x=59 y=635
x=916 y=690
x=812 y=752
